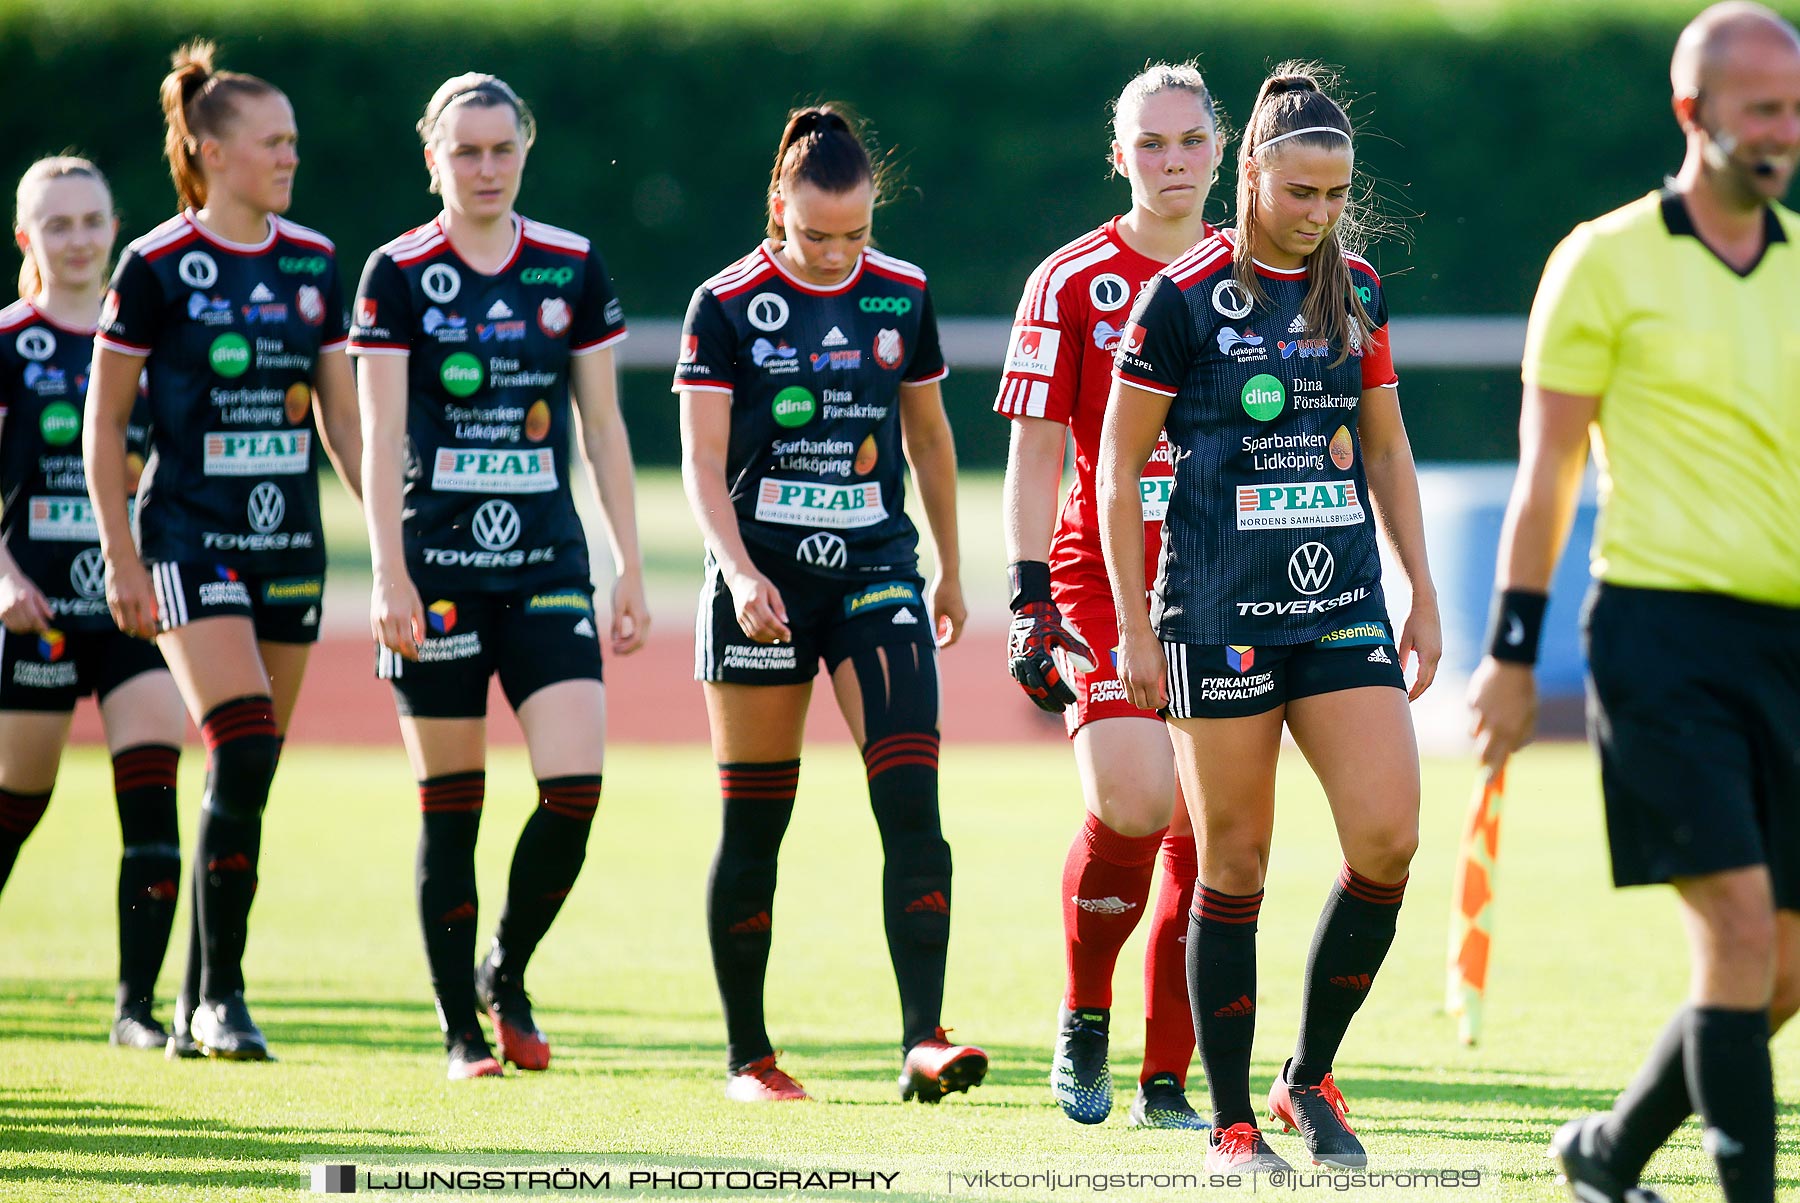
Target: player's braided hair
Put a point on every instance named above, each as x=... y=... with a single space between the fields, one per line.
x=483 y=92
x=53 y=167
x=199 y=102
x=1293 y=98
x=822 y=146
x=1156 y=78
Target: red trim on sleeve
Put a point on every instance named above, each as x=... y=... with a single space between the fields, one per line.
x=940 y=374
x=1149 y=386
x=600 y=344
x=1378 y=362
x=123 y=348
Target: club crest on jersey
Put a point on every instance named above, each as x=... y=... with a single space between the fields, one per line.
x=197 y=270
x=890 y=349
x=441 y=282
x=1109 y=291
x=767 y=311
x=1230 y=299
x=1034 y=350
x=554 y=316
x=310 y=304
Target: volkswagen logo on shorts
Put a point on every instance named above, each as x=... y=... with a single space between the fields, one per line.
x=267 y=508
x=441 y=282
x=496 y=525
x=822 y=550
x=1310 y=568
x=197 y=270
x=1230 y=299
x=767 y=311
x=1109 y=292
x=88 y=573
x=36 y=344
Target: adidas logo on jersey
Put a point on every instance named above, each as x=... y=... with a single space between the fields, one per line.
x=1298 y=325
x=834 y=339
x=261 y=294
x=584 y=627
x=498 y=311
x=1380 y=656
x=905 y=618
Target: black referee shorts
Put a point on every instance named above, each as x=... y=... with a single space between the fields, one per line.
x=50 y=671
x=1694 y=705
x=532 y=638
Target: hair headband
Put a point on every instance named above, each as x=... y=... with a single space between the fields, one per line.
x=1295 y=133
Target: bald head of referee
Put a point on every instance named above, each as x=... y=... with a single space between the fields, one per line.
x=1735 y=75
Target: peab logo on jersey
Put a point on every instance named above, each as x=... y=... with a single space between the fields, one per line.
x=1034 y=350
x=1276 y=507
x=1310 y=568
x=1230 y=299
x=767 y=311
x=197 y=270
x=257 y=453
x=441 y=282
x=62 y=520
x=36 y=344
x=823 y=550
x=473 y=470
x=1109 y=292
x=496 y=525
x=266 y=508
x=803 y=503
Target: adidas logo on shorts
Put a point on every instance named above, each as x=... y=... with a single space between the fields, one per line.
x=584 y=627
x=1298 y=325
x=1380 y=656
x=905 y=618
x=834 y=339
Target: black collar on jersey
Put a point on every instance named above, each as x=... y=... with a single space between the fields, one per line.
x=1679 y=222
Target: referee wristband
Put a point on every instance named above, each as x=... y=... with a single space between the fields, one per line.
x=1030 y=582
x=1515 y=625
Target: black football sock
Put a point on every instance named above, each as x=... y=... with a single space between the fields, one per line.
x=450 y=813
x=149 y=869
x=241 y=745
x=545 y=865
x=19 y=817
x=740 y=896
x=915 y=880
x=1354 y=933
x=1221 y=959
x=1650 y=1109
x=1730 y=1080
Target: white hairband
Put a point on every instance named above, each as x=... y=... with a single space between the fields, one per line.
x=1295 y=133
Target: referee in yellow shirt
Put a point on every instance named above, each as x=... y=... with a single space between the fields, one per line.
x=1669 y=332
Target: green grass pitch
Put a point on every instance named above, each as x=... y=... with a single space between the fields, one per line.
x=1582 y=980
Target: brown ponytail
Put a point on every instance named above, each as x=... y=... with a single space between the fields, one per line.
x=821 y=146
x=40 y=173
x=199 y=102
x=1293 y=98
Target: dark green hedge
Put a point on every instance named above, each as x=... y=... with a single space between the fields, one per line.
x=656 y=132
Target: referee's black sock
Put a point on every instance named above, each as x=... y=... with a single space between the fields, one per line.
x=1221 y=964
x=1650 y=1109
x=545 y=865
x=1355 y=931
x=19 y=816
x=150 y=868
x=241 y=742
x=740 y=896
x=450 y=814
x=1730 y=1080
x=915 y=878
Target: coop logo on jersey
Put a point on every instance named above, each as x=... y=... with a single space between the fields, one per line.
x=556 y=277
x=309 y=265
x=1310 y=568
x=1108 y=292
x=777 y=359
x=87 y=574
x=822 y=550
x=496 y=524
x=441 y=282
x=1154 y=493
x=1281 y=506
x=804 y=503
x=898 y=306
x=472 y=470
x=1106 y=336
x=266 y=508
x=461 y=374
x=794 y=406
x=554 y=316
x=1264 y=397
x=257 y=453
x=61 y=520
x=197 y=270
x=229 y=355
x=60 y=424
x=310 y=304
x=36 y=344
x=1230 y=299
x=890 y=349
x=1243 y=348
x=440 y=616
x=767 y=311
x=1033 y=350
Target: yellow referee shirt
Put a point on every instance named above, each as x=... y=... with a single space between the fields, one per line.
x=1697 y=368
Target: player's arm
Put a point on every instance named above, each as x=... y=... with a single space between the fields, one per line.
x=705 y=442
x=396 y=614
x=931 y=450
x=337 y=418
x=607 y=449
x=112 y=392
x=1134 y=420
x=1034 y=464
x=22 y=605
x=1394 y=496
x=1553 y=441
